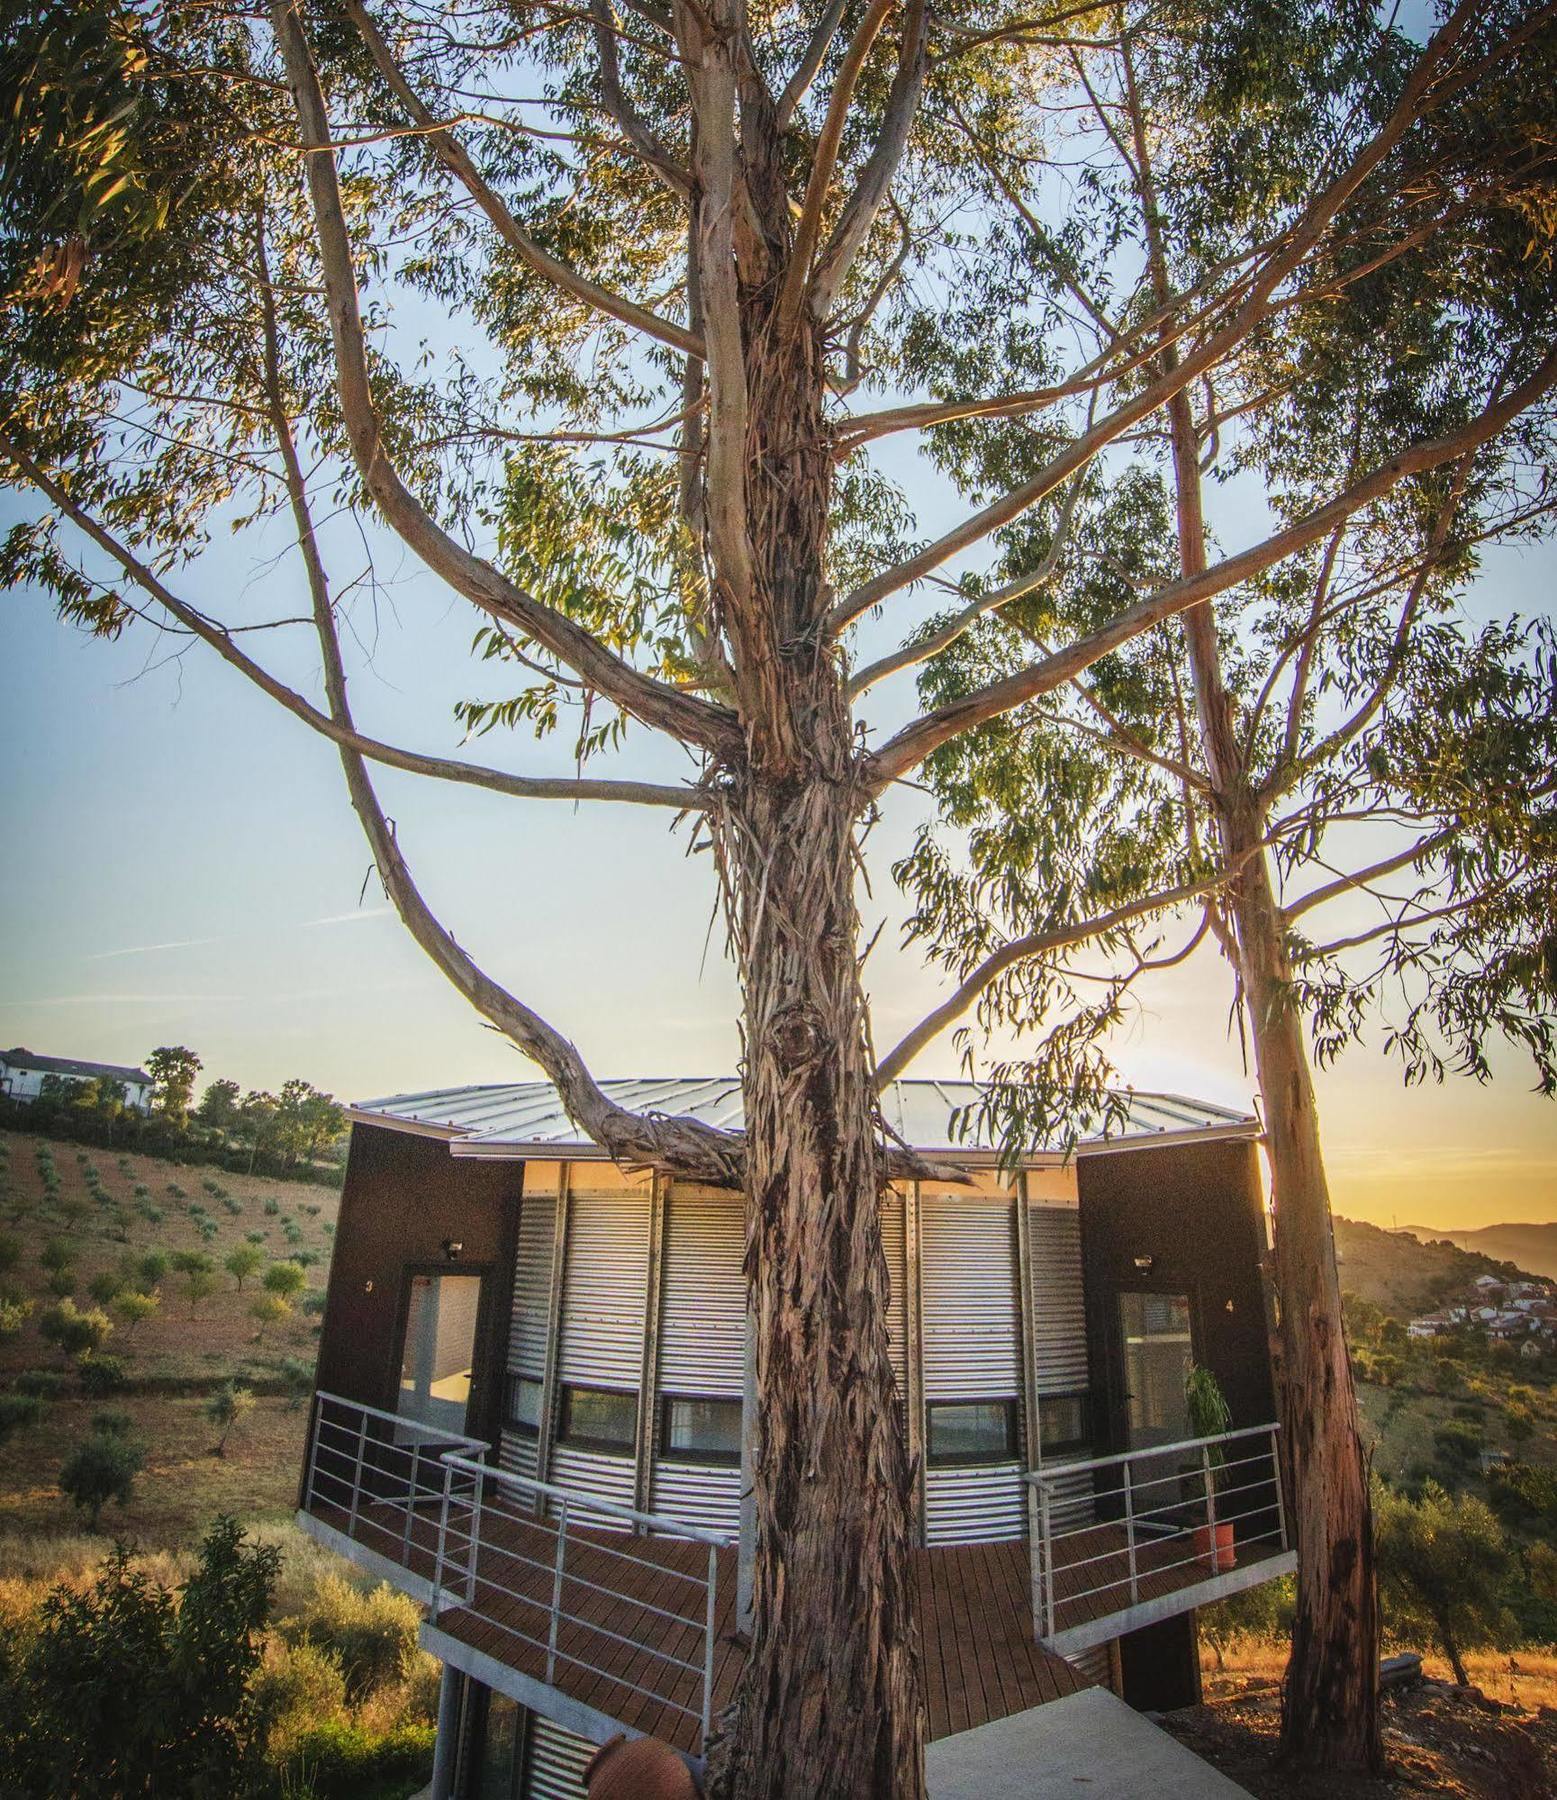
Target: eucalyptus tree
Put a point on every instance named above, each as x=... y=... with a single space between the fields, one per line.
x=674 y=248
x=1328 y=727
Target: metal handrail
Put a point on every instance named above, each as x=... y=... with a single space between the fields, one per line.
x=1149 y=1529
x=437 y=1468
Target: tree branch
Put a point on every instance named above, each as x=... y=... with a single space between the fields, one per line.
x=682 y=715
x=810 y=63
x=1294 y=246
x=1348 y=884
x=1023 y=949
x=440 y=768
x=915 y=741
x=620 y=108
x=453 y=155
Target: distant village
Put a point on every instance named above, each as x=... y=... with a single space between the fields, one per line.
x=1518 y=1312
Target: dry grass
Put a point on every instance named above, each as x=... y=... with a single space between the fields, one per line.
x=1524 y=1678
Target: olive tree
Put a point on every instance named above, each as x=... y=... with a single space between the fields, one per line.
x=683 y=252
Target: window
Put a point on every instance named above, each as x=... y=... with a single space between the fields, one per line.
x=603 y=1419
x=1158 y=1355
x=439 y=1350
x=524 y=1405
x=970 y=1431
x=703 y=1430
x=1062 y=1422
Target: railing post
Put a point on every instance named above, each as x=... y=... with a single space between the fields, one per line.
x=1205 y=1464
x=410 y=1503
x=708 y=1641
x=312 y=1489
x=1281 y=1498
x=475 y=1538
x=556 y=1590
x=1129 y=1500
x=1048 y=1550
x=443 y=1536
x=356 y=1474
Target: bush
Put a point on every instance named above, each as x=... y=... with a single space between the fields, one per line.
x=104 y=1286
x=343 y=1762
x=255 y=1237
x=101 y=1375
x=10 y=1252
x=57 y=1253
x=74 y=1332
x=285 y=1279
x=372 y=1636
x=46 y=1384
x=1442 y=1563
x=61 y=1283
x=298 y=1688
x=14 y=1314
x=100 y=1469
x=243 y=1260
x=18 y=1412
x=164 y=1681
x=271 y=1208
x=227 y=1408
x=152 y=1270
x=133 y=1307
x=268 y=1310
x=297 y=1378
x=313 y=1303
x=1458 y=1440
x=113 y=1424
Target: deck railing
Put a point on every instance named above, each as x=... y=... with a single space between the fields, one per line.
x=550 y=1581
x=1111 y=1532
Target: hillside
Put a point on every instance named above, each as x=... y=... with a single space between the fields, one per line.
x=1402 y=1273
x=1533 y=1247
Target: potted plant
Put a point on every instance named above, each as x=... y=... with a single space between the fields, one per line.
x=1209 y=1415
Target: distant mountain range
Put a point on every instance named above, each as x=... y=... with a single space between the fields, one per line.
x=1533 y=1247
x=1411 y=1271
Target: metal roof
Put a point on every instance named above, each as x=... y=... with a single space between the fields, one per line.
x=64 y=1065
x=515 y=1118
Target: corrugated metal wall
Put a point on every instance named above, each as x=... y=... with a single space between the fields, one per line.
x=531 y=1325
x=702 y=1335
x=972 y=1350
x=893 y=1229
x=555 y=1763
x=604 y=1296
x=1060 y=1334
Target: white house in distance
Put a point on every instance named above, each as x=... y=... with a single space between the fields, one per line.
x=23 y=1072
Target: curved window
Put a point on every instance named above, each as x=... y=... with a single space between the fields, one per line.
x=963 y=1433
x=700 y=1428
x=604 y=1419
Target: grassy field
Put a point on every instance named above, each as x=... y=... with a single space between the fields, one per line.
x=109 y=1212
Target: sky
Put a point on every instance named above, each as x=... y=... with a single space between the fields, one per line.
x=180 y=865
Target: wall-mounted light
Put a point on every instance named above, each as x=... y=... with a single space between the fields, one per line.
x=1144 y=1264
x=452 y=1248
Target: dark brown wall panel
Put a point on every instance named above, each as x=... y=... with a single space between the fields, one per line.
x=1195 y=1211
x=403 y=1197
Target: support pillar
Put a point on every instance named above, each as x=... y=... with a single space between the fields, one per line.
x=446 y=1746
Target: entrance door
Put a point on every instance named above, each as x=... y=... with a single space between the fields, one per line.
x=1158 y=1355
x=440 y=1348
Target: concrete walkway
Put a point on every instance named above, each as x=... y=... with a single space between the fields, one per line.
x=1088 y=1746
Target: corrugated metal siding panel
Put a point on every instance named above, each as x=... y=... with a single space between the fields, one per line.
x=972 y=1340
x=698 y=1495
x=1060 y=1336
x=894 y=1242
x=518 y=1454
x=605 y=1288
x=532 y=1286
x=587 y=1472
x=975 y=1506
x=703 y=1292
x=554 y=1768
x=1059 y=1310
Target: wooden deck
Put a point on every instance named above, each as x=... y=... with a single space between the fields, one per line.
x=631 y=1641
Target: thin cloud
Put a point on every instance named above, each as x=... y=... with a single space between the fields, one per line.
x=146 y=949
x=125 y=1000
x=349 y=918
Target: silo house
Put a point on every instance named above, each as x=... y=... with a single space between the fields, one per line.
x=534 y=1416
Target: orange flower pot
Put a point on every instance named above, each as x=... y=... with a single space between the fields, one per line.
x=1217 y=1554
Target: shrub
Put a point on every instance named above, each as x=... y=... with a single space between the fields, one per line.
x=213 y=1188
x=1442 y=1563
x=10 y=1252
x=297 y=1688
x=313 y=1303
x=46 y=1384
x=100 y=1375
x=17 y=1412
x=268 y=1310
x=105 y=1285
x=113 y=1424
x=175 y=1192
x=255 y=1237
x=62 y=1283
x=113 y=1665
x=100 y=1469
x=14 y=1314
x=285 y=1279
x=199 y=1273
x=1458 y=1440
x=297 y=1377
x=152 y=1270
x=75 y=1333
x=372 y=1635
x=341 y=1762
x=141 y=1191
x=57 y=1253
x=132 y=1307
x=271 y=1208
x=226 y=1408
x=243 y=1260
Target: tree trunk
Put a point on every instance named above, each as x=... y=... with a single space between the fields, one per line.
x=1452 y=1650
x=828 y=1707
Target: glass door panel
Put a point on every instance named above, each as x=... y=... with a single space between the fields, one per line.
x=440 y=1344
x=1158 y=1355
